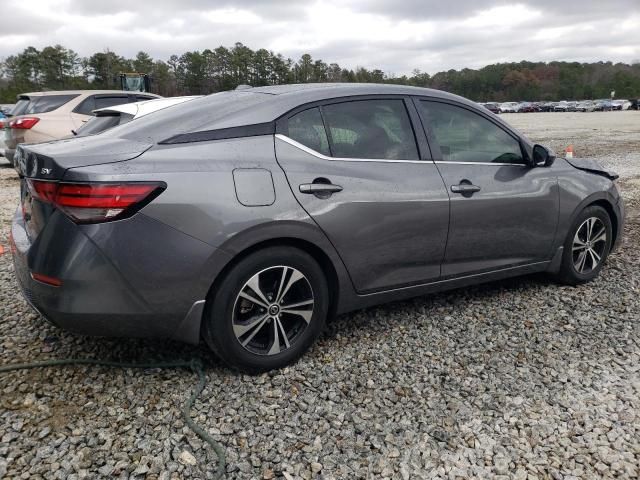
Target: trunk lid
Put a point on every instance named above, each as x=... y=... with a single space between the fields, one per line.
x=50 y=161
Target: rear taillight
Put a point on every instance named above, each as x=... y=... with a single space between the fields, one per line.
x=53 y=281
x=23 y=123
x=95 y=202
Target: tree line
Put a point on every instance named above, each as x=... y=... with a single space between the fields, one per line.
x=207 y=71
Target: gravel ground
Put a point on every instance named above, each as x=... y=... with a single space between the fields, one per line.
x=521 y=379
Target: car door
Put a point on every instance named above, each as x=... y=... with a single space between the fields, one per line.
x=504 y=213
x=364 y=180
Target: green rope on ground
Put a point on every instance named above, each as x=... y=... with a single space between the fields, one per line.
x=195 y=365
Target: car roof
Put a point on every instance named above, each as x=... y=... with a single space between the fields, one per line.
x=144 y=107
x=80 y=92
x=282 y=98
x=331 y=90
x=259 y=105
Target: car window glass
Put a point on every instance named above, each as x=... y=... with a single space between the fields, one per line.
x=47 y=103
x=378 y=129
x=20 y=106
x=465 y=136
x=86 y=106
x=104 y=102
x=307 y=128
x=98 y=124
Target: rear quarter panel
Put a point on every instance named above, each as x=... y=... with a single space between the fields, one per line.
x=201 y=199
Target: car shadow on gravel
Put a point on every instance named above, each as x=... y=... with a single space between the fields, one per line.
x=71 y=345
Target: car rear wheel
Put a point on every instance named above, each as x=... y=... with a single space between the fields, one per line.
x=267 y=310
x=587 y=246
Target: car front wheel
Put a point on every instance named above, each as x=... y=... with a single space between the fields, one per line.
x=587 y=246
x=267 y=310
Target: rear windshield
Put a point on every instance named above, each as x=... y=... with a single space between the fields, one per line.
x=20 y=106
x=46 y=103
x=97 y=125
x=189 y=116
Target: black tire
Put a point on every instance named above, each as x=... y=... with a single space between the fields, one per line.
x=225 y=309
x=569 y=272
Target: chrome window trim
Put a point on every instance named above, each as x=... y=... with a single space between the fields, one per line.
x=449 y=162
x=310 y=151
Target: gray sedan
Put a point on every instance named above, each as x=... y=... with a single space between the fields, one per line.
x=248 y=218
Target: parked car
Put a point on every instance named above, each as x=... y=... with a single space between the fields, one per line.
x=248 y=217
x=106 y=118
x=565 y=106
x=585 y=106
x=44 y=116
x=6 y=108
x=603 y=106
x=509 y=107
x=547 y=106
x=3 y=120
x=621 y=104
x=492 y=107
x=527 y=107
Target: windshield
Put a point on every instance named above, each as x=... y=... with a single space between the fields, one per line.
x=188 y=116
x=97 y=125
x=46 y=103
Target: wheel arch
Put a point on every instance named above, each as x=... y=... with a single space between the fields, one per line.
x=615 y=221
x=601 y=199
x=303 y=236
x=306 y=246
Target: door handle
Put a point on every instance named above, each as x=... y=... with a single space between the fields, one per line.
x=465 y=188
x=315 y=188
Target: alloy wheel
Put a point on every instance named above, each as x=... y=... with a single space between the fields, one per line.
x=272 y=310
x=589 y=244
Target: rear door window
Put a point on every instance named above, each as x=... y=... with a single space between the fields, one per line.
x=95 y=102
x=47 y=103
x=370 y=129
x=104 y=102
x=307 y=128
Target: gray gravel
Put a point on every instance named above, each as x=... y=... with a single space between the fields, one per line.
x=521 y=379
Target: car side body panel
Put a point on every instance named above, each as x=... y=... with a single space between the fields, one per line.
x=511 y=221
x=390 y=222
x=150 y=274
x=201 y=202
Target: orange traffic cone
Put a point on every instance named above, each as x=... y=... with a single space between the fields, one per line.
x=568 y=152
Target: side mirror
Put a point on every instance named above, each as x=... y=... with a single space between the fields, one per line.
x=542 y=157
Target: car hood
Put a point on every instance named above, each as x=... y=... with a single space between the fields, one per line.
x=50 y=160
x=591 y=166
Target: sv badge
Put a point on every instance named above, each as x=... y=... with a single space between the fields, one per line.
x=45 y=171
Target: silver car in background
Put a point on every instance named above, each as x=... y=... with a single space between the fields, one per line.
x=248 y=218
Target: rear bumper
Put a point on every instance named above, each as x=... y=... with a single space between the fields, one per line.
x=106 y=296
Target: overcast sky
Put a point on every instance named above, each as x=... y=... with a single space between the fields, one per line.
x=396 y=36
